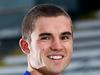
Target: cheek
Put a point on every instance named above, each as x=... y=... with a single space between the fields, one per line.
x=43 y=47
x=43 y=43
x=69 y=47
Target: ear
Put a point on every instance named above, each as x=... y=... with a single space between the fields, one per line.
x=24 y=46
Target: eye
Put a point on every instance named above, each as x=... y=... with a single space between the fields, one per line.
x=64 y=37
x=45 y=38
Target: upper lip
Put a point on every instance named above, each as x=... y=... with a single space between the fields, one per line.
x=56 y=54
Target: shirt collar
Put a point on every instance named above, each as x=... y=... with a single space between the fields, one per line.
x=27 y=73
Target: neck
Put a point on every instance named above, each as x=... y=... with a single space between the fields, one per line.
x=40 y=71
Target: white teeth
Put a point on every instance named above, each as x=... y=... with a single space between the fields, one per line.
x=55 y=57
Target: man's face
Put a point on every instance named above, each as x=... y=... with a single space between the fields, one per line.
x=53 y=37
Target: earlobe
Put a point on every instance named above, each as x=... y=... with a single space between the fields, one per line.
x=24 y=46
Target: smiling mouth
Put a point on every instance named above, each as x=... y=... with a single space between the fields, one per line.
x=55 y=57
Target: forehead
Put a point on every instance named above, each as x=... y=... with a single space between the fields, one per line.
x=56 y=24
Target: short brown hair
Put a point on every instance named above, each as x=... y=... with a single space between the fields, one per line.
x=43 y=10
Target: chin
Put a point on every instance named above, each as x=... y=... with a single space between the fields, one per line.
x=56 y=69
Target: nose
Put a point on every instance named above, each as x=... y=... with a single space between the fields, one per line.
x=56 y=45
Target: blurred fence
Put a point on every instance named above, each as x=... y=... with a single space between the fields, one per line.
x=86 y=56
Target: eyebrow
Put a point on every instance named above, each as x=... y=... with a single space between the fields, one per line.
x=45 y=34
x=66 y=33
x=49 y=34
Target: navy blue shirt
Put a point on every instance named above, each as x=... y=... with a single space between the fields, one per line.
x=27 y=73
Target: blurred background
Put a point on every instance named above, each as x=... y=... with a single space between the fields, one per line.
x=86 y=21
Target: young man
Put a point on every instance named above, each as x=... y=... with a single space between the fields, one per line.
x=47 y=40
